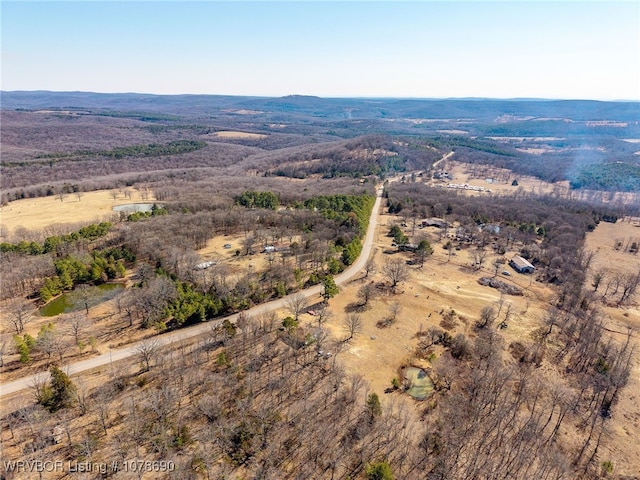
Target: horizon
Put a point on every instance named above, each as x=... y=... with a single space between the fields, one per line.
x=570 y=50
x=505 y=99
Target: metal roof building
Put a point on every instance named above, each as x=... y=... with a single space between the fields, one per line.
x=521 y=265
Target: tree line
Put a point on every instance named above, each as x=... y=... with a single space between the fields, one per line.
x=57 y=243
x=150 y=150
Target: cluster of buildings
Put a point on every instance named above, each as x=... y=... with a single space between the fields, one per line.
x=466 y=186
x=275 y=248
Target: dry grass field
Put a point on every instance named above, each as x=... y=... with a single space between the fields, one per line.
x=442 y=285
x=439 y=286
x=234 y=134
x=477 y=175
x=501 y=179
x=89 y=207
x=625 y=432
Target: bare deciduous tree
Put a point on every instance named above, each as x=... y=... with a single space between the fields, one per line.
x=19 y=313
x=396 y=271
x=147 y=351
x=394 y=310
x=353 y=325
x=247 y=244
x=370 y=267
x=84 y=294
x=597 y=279
x=81 y=395
x=366 y=293
x=323 y=313
x=479 y=256
x=268 y=321
x=76 y=323
x=629 y=284
x=487 y=317
x=296 y=304
x=50 y=342
x=38 y=385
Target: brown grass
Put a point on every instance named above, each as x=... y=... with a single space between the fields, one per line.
x=233 y=134
x=39 y=213
x=439 y=286
x=476 y=175
x=622 y=447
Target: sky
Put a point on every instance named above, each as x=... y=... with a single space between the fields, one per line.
x=412 y=49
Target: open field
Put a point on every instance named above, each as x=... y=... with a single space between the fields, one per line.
x=89 y=207
x=438 y=287
x=234 y=134
x=612 y=262
x=501 y=179
x=625 y=431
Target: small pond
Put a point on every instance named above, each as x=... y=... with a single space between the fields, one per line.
x=133 y=207
x=420 y=383
x=71 y=301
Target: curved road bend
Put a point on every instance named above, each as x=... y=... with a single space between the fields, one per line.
x=189 y=332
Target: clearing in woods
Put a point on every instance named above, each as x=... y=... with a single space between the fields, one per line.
x=89 y=207
x=234 y=134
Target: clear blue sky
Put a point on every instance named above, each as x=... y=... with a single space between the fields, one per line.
x=505 y=49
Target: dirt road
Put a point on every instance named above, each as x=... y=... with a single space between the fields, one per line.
x=202 y=328
x=444 y=157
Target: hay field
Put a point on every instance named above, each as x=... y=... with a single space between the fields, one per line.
x=90 y=207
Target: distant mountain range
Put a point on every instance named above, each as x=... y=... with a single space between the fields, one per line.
x=326 y=108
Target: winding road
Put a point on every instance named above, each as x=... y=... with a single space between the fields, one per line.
x=189 y=332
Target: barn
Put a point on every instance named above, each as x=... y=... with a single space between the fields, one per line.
x=521 y=265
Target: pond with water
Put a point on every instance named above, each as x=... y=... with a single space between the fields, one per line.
x=420 y=383
x=71 y=301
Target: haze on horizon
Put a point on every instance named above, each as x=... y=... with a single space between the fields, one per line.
x=420 y=49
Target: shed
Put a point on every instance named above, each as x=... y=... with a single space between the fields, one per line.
x=408 y=247
x=204 y=265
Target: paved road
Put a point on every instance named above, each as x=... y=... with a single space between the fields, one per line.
x=189 y=332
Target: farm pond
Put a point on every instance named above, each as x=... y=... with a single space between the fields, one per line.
x=420 y=385
x=72 y=301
